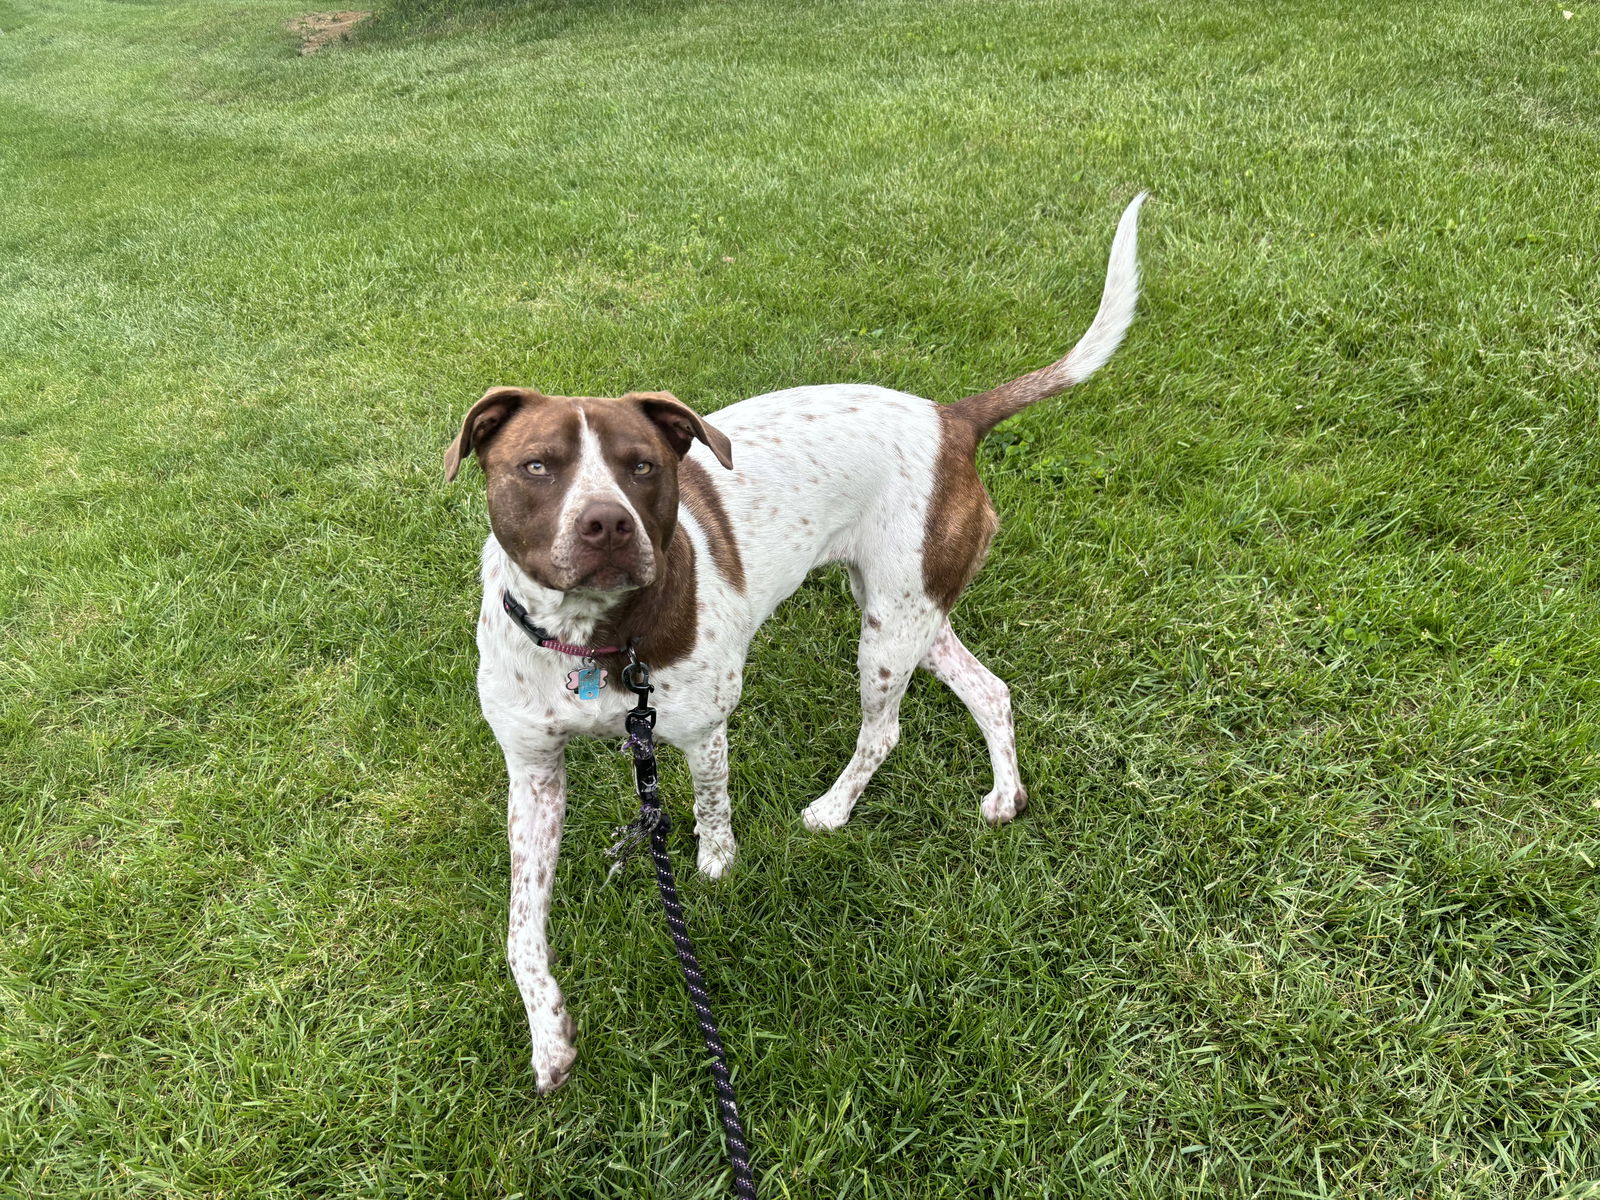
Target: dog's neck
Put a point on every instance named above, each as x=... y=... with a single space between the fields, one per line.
x=659 y=620
x=570 y=616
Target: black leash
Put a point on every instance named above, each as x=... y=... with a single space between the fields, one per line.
x=652 y=822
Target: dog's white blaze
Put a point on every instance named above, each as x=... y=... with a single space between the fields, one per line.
x=592 y=481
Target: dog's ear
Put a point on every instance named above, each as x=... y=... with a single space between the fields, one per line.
x=481 y=422
x=682 y=424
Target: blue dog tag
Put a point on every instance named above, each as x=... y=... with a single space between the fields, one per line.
x=587 y=682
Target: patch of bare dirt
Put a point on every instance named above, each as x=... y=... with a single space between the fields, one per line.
x=321 y=29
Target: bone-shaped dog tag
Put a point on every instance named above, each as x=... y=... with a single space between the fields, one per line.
x=587 y=682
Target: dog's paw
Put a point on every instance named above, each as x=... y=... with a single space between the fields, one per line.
x=825 y=813
x=1000 y=807
x=554 y=1053
x=716 y=857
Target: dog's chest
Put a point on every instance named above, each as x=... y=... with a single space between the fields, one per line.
x=525 y=691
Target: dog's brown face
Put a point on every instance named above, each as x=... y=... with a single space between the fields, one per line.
x=583 y=491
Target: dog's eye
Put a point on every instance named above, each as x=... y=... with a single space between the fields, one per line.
x=643 y=468
x=535 y=468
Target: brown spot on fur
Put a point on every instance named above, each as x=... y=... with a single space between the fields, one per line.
x=873 y=622
x=987 y=409
x=961 y=519
x=699 y=495
x=505 y=429
x=884 y=672
x=681 y=424
x=660 y=620
x=481 y=421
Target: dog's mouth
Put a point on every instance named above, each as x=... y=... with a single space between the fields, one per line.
x=608 y=571
x=593 y=574
x=607 y=579
x=602 y=578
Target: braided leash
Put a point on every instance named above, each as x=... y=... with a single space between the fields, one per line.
x=652 y=822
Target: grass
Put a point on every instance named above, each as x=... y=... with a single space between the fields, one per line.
x=1300 y=599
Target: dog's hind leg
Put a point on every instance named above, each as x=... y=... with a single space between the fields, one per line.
x=897 y=628
x=989 y=701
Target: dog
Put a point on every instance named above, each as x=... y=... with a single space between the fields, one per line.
x=629 y=525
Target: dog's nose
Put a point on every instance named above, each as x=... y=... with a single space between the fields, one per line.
x=605 y=526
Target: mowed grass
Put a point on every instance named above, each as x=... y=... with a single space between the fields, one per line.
x=1299 y=599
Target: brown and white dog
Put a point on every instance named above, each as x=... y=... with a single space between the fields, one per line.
x=629 y=522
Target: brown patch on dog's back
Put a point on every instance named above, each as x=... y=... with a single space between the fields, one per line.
x=699 y=495
x=961 y=519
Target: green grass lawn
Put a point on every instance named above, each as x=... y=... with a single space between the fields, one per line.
x=1299 y=599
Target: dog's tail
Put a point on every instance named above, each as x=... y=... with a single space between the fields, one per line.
x=988 y=409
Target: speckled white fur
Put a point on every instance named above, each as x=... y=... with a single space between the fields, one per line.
x=839 y=473
x=822 y=474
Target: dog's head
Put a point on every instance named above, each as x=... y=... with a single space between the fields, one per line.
x=583 y=492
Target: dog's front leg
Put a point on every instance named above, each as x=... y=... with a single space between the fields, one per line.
x=707 y=755
x=535 y=813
